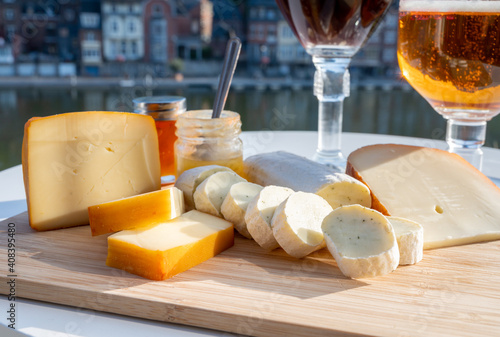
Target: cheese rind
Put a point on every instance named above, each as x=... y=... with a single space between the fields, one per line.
x=135 y=212
x=260 y=212
x=296 y=223
x=454 y=202
x=189 y=180
x=167 y=249
x=76 y=160
x=361 y=240
x=210 y=194
x=301 y=174
x=236 y=203
x=410 y=237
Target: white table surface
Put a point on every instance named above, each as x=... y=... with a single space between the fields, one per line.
x=44 y=319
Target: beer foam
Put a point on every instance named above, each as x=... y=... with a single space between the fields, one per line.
x=453 y=6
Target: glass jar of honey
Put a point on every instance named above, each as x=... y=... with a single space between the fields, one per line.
x=165 y=111
x=203 y=140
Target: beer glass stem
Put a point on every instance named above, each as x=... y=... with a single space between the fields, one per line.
x=331 y=86
x=466 y=138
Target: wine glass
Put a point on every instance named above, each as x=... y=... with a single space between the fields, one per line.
x=332 y=31
x=449 y=51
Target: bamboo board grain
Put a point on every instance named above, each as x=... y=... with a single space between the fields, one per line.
x=245 y=290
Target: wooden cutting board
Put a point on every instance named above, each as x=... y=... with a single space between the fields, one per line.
x=245 y=290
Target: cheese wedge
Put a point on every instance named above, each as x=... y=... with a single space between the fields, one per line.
x=76 y=160
x=410 y=237
x=169 y=248
x=362 y=241
x=454 y=202
x=136 y=212
x=189 y=180
x=236 y=203
x=210 y=194
x=260 y=212
x=296 y=223
x=301 y=174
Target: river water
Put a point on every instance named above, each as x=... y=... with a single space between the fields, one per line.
x=395 y=112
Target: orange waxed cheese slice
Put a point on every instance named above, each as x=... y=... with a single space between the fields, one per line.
x=169 y=248
x=135 y=212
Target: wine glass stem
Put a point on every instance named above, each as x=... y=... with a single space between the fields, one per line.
x=331 y=86
x=466 y=139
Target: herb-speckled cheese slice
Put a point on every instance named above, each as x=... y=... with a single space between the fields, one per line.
x=362 y=241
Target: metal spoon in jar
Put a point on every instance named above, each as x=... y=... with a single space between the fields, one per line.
x=230 y=59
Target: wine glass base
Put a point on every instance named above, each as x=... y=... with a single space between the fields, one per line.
x=334 y=159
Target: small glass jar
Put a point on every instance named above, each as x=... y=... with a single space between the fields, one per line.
x=165 y=111
x=202 y=140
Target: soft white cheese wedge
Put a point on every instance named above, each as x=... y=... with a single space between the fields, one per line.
x=260 y=212
x=301 y=174
x=297 y=222
x=189 y=180
x=210 y=194
x=361 y=240
x=410 y=237
x=235 y=205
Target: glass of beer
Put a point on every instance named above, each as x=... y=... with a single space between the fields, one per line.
x=332 y=31
x=449 y=51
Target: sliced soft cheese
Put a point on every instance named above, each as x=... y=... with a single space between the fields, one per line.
x=296 y=223
x=454 y=202
x=301 y=174
x=210 y=194
x=410 y=237
x=189 y=180
x=361 y=240
x=235 y=205
x=136 y=212
x=76 y=160
x=260 y=212
x=166 y=249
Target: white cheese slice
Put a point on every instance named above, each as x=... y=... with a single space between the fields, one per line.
x=189 y=180
x=454 y=202
x=235 y=205
x=296 y=223
x=301 y=174
x=210 y=194
x=410 y=237
x=361 y=240
x=260 y=212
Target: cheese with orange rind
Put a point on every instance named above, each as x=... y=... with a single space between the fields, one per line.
x=136 y=212
x=169 y=248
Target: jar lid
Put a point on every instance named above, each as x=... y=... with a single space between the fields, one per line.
x=160 y=107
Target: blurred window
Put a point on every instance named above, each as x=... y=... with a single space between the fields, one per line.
x=390 y=37
x=157 y=9
x=271 y=14
x=131 y=27
x=90 y=36
x=8 y=14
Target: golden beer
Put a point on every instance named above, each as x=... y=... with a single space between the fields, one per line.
x=449 y=51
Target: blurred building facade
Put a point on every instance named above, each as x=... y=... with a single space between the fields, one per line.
x=160 y=37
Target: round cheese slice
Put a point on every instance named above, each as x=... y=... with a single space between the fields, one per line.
x=189 y=180
x=210 y=194
x=361 y=240
x=297 y=222
x=410 y=237
x=235 y=205
x=260 y=212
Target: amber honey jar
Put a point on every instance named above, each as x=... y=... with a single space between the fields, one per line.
x=165 y=111
x=203 y=140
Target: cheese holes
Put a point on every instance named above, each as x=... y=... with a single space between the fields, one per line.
x=438 y=209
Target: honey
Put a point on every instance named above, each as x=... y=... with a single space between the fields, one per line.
x=166 y=140
x=203 y=140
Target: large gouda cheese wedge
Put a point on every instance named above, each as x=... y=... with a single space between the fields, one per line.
x=76 y=160
x=164 y=250
x=136 y=212
x=454 y=202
